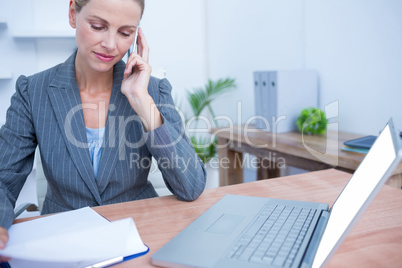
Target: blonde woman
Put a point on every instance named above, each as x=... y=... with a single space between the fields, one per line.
x=97 y=121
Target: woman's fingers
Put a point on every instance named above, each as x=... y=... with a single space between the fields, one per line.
x=129 y=67
x=137 y=71
x=142 y=53
x=3 y=237
x=143 y=49
x=136 y=62
x=3 y=242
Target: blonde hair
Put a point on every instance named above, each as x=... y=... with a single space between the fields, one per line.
x=79 y=4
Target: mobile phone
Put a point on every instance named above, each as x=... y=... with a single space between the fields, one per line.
x=133 y=47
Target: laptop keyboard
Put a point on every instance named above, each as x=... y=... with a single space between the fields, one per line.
x=275 y=236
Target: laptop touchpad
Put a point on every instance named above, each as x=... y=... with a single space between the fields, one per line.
x=225 y=224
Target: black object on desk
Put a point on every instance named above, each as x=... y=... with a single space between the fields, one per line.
x=362 y=143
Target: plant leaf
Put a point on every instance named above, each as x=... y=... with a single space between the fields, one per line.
x=219 y=87
x=204 y=147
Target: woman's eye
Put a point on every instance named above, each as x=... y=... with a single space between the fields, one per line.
x=125 y=34
x=96 y=27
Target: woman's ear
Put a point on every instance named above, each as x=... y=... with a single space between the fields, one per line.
x=72 y=14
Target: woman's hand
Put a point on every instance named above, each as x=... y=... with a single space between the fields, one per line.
x=3 y=242
x=138 y=71
x=135 y=85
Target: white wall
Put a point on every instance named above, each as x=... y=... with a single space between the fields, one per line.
x=354 y=45
x=25 y=56
x=175 y=32
x=176 y=39
x=247 y=36
x=11 y=51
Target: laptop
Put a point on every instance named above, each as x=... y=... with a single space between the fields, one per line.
x=246 y=231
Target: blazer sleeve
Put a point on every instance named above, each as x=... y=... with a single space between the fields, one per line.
x=17 y=143
x=182 y=170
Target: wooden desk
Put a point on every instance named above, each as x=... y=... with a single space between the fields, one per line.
x=277 y=151
x=375 y=241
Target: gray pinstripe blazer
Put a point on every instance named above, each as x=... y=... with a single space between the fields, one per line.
x=46 y=110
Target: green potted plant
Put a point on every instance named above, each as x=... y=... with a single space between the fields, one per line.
x=312 y=121
x=200 y=100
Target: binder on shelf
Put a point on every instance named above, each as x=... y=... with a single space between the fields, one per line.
x=281 y=95
x=257 y=100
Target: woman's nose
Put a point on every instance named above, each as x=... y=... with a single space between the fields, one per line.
x=109 y=42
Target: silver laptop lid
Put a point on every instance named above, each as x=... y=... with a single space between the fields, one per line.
x=365 y=183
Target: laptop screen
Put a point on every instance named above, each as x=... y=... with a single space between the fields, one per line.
x=361 y=188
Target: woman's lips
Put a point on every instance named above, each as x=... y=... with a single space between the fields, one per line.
x=104 y=57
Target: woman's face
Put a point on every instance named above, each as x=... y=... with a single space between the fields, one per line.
x=105 y=29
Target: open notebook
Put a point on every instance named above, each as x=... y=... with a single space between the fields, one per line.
x=77 y=238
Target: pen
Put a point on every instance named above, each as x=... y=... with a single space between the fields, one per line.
x=106 y=263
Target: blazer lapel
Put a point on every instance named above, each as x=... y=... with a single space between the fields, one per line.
x=113 y=145
x=66 y=103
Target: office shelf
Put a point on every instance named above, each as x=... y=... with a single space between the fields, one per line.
x=5 y=76
x=36 y=34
